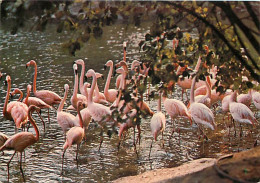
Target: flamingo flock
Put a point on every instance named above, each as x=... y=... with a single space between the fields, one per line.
x=119 y=108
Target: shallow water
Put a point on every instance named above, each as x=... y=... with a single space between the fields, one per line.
x=43 y=159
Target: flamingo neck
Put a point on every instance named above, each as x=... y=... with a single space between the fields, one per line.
x=192 y=90
x=96 y=90
x=233 y=97
x=21 y=94
x=80 y=117
x=32 y=121
x=7 y=97
x=81 y=84
x=34 y=79
x=198 y=64
x=76 y=83
x=93 y=85
x=63 y=101
x=108 y=79
x=159 y=108
x=208 y=94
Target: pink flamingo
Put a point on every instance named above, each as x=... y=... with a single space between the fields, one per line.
x=75 y=134
x=99 y=97
x=100 y=113
x=77 y=97
x=199 y=112
x=185 y=83
x=82 y=74
x=245 y=98
x=256 y=99
x=19 y=112
x=25 y=101
x=49 y=97
x=110 y=94
x=175 y=108
x=240 y=112
x=158 y=123
x=22 y=140
x=65 y=119
x=125 y=67
x=205 y=99
x=35 y=101
x=8 y=106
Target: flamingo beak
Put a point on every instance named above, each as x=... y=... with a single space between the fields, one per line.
x=105 y=67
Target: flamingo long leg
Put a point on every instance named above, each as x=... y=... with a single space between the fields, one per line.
x=9 y=163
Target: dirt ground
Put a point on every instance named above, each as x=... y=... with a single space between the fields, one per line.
x=239 y=167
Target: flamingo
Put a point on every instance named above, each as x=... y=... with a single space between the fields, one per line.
x=24 y=103
x=49 y=97
x=110 y=94
x=82 y=74
x=99 y=97
x=245 y=98
x=205 y=99
x=124 y=49
x=100 y=113
x=119 y=78
x=256 y=99
x=175 y=108
x=129 y=122
x=75 y=134
x=65 y=119
x=22 y=140
x=8 y=106
x=240 y=112
x=158 y=123
x=77 y=97
x=199 y=112
x=19 y=111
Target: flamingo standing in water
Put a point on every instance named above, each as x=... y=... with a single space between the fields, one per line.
x=175 y=108
x=49 y=97
x=100 y=113
x=245 y=98
x=25 y=101
x=199 y=112
x=205 y=99
x=15 y=110
x=240 y=112
x=75 y=134
x=65 y=119
x=158 y=123
x=110 y=94
x=22 y=140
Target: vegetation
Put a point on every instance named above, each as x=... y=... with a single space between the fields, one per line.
x=229 y=29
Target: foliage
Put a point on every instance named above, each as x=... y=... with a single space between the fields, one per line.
x=225 y=27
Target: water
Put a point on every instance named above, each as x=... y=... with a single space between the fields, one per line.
x=43 y=159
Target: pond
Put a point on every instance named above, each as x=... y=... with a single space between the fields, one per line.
x=42 y=161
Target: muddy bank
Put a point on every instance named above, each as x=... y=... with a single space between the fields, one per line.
x=238 y=167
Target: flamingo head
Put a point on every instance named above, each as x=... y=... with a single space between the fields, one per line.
x=122 y=64
x=99 y=75
x=90 y=73
x=32 y=62
x=79 y=61
x=7 y=79
x=124 y=44
x=66 y=87
x=75 y=68
x=86 y=85
x=109 y=63
x=29 y=88
x=120 y=70
x=16 y=91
